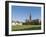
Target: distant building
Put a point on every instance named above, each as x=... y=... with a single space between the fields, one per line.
x=27 y=21
x=13 y=23
x=30 y=17
x=17 y=23
x=38 y=21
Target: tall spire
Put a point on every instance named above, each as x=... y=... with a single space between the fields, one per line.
x=30 y=17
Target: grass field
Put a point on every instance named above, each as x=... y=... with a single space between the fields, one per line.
x=25 y=27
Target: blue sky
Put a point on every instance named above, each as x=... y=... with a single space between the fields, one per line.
x=21 y=13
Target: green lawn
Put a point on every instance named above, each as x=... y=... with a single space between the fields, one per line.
x=25 y=27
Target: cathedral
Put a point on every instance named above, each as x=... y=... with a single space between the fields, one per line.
x=30 y=18
x=28 y=21
x=36 y=21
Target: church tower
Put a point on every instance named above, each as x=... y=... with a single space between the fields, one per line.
x=30 y=18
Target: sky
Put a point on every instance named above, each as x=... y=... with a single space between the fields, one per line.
x=21 y=13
